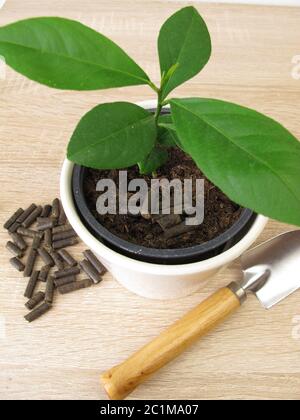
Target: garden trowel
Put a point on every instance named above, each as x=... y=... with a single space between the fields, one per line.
x=271 y=272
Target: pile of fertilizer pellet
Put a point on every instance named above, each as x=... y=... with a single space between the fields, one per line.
x=49 y=233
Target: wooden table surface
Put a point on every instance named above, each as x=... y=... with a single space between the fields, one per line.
x=254 y=355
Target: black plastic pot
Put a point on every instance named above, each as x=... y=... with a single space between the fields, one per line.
x=160 y=256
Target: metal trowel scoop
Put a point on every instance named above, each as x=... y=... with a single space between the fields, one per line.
x=271 y=272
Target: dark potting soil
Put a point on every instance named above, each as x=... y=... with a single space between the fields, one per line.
x=220 y=212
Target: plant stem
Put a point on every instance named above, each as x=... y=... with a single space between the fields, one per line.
x=160 y=102
x=153 y=86
x=157 y=114
x=159 y=107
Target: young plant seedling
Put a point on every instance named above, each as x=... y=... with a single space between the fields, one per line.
x=253 y=159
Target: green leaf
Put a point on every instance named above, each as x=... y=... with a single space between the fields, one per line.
x=165 y=120
x=66 y=54
x=165 y=76
x=167 y=135
x=157 y=157
x=184 y=46
x=166 y=138
x=111 y=136
x=250 y=157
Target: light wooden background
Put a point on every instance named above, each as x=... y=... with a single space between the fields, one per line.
x=255 y=354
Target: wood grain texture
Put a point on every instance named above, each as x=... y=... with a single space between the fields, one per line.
x=253 y=355
x=122 y=379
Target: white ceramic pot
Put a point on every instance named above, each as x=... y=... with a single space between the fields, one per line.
x=152 y=281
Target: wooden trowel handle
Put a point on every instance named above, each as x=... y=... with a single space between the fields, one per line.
x=121 y=380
